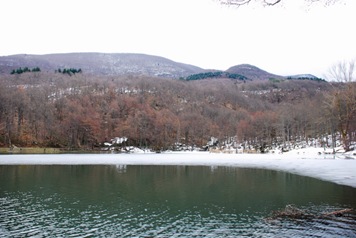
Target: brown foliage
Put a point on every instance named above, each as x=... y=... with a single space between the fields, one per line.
x=84 y=111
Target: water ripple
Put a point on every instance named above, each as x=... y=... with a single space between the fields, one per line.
x=89 y=213
x=19 y=218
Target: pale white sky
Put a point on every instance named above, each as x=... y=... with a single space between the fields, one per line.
x=285 y=39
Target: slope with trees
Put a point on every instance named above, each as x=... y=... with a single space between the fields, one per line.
x=83 y=111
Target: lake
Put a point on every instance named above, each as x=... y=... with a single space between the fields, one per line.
x=167 y=201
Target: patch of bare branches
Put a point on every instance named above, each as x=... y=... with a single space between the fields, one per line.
x=294 y=213
x=290 y=212
x=271 y=2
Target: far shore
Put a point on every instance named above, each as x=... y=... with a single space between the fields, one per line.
x=41 y=150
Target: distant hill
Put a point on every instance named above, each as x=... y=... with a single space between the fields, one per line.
x=252 y=72
x=115 y=64
x=101 y=64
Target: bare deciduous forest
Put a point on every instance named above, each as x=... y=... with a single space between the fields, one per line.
x=83 y=111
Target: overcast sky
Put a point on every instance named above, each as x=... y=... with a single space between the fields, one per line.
x=286 y=39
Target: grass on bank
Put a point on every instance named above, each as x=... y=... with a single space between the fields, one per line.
x=29 y=150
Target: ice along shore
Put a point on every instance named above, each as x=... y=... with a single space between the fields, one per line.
x=325 y=167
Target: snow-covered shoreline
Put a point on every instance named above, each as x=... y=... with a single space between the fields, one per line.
x=325 y=167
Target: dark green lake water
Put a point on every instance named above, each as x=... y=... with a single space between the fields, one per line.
x=166 y=201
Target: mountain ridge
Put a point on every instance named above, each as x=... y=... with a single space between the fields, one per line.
x=114 y=64
x=101 y=64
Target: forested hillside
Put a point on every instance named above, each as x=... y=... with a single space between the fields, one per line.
x=82 y=111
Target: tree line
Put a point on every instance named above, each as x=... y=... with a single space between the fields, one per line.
x=84 y=111
x=306 y=78
x=215 y=74
x=69 y=71
x=25 y=70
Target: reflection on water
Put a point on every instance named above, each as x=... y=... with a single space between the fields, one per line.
x=166 y=201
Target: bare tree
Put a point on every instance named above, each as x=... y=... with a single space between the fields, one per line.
x=270 y=2
x=341 y=104
x=343 y=72
x=245 y=2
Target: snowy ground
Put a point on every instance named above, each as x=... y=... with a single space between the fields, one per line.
x=312 y=162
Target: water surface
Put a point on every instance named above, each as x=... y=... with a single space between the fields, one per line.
x=166 y=201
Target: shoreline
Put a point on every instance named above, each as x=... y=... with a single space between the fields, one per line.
x=325 y=167
x=38 y=150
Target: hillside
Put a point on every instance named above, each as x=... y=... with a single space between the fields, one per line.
x=42 y=107
x=57 y=110
x=252 y=72
x=101 y=64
